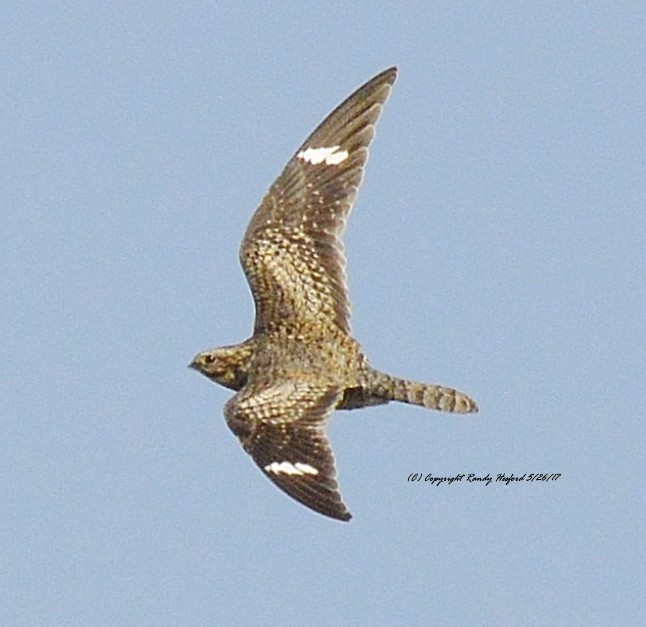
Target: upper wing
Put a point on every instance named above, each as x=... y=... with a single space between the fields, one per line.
x=292 y=252
x=281 y=426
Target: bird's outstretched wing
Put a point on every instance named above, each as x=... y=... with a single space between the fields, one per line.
x=292 y=252
x=281 y=425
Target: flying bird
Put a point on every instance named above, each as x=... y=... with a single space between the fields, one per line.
x=301 y=362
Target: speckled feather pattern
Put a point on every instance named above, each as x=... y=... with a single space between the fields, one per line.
x=301 y=362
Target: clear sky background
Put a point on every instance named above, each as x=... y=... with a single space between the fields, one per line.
x=498 y=245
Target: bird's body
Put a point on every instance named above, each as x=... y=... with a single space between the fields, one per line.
x=301 y=362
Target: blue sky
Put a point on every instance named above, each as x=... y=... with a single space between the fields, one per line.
x=497 y=245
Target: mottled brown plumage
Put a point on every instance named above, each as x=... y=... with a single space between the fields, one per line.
x=301 y=362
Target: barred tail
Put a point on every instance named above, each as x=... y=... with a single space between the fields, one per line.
x=424 y=394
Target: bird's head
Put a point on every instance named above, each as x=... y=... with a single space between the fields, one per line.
x=226 y=366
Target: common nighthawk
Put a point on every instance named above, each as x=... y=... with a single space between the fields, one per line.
x=301 y=362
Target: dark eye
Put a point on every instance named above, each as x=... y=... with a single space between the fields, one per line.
x=209 y=359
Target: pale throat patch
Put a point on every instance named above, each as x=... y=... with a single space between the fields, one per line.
x=331 y=155
x=299 y=468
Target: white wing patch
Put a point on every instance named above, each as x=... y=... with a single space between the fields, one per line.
x=299 y=468
x=331 y=155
